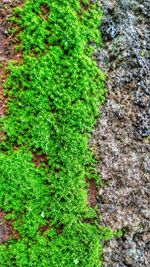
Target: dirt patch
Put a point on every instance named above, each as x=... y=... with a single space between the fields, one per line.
x=7 y=46
x=92 y=192
x=60 y=229
x=45 y=11
x=39 y=159
x=85 y=6
x=45 y=228
x=121 y=138
x=6 y=229
x=7 y=52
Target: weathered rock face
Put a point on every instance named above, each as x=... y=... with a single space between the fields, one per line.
x=121 y=138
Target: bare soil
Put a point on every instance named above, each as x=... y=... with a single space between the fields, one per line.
x=6 y=229
x=7 y=52
x=92 y=192
x=7 y=45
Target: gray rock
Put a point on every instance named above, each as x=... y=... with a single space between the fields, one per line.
x=121 y=138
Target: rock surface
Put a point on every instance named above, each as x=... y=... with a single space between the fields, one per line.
x=121 y=139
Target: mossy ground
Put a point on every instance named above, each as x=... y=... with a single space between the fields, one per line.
x=53 y=94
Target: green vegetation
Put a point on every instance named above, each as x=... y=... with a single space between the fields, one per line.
x=53 y=94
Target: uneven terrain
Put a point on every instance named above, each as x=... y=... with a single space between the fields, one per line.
x=121 y=138
x=120 y=141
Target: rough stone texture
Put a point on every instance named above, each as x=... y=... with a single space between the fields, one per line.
x=121 y=138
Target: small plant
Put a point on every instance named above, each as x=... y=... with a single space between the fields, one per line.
x=53 y=102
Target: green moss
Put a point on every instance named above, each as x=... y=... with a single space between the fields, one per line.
x=53 y=102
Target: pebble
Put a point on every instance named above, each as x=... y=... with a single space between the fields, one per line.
x=6 y=1
x=146 y=237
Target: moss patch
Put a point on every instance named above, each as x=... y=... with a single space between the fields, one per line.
x=53 y=102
